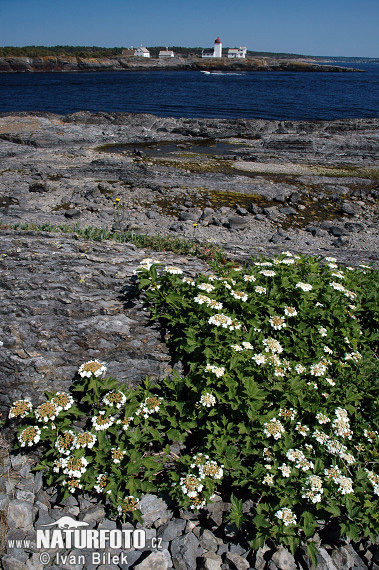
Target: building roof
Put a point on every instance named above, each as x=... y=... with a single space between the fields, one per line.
x=145 y=50
x=217 y=41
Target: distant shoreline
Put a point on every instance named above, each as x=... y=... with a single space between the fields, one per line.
x=70 y=64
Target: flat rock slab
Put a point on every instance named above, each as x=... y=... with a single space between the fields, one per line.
x=63 y=303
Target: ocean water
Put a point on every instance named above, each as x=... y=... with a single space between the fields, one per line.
x=251 y=95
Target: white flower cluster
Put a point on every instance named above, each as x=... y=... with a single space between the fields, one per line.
x=66 y=442
x=277 y=323
x=63 y=401
x=304 y=286
x=224 y=321
x=204 y=300
x=205 y=287
x=243 y=346
x=268 y=273
x=20 y=409
x=341 y=425
x=290 y=311
x=29 y=436
x=92 y=368
x=274 y=428
x=114 y=398
x=173 y=270
x=259 y=358
x=260 y=290
x=101 y=482
x=211 y=469
x=149 y=406
x=217 y=370
x=249 y=278
x=298 y=458
x=355 y=356
x=374 y=480
x=345 y=485
x=285 y=469
x=207 y=400
x=287 y=413
x=74 y=466
x=319 y=368
x=117 y=454
x=191 y=485
x=272 y=345
x=125 y=422
x=313 y=489
x=147 y=263
x=322 y=418
x=239 y=295
x=286 y=516
x=102 y=421
x=46 y=412
x=85 y=439
x=346 y=292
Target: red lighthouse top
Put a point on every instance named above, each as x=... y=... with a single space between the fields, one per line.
x=217 y=41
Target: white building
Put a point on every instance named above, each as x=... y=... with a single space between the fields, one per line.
x=237 y=53
x=215 y=52
x=141 y=52
x=163 y=54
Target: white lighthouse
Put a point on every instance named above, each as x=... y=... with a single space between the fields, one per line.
x=217 y=51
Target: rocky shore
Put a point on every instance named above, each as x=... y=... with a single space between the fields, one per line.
x=15 y=64
x=250 y=187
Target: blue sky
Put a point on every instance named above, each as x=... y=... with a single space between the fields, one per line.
x=314 y=27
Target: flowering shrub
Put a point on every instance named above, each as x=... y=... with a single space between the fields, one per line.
x=277 y=403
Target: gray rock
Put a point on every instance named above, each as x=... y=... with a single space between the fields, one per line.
x=242 y=211
x=184 y=551
x=192 y=215
x=348 y=208
x=237 y=222
x=20 y=514
x=288 y=211
x=95 y=513
x=324 y=561
x=261 y=556
x=208 y=540
x=171 y=529
x=158 y=560
x=340 y=242
x=346 y=557
x=354 y=227
x=210 y=561
x=154 y=510
x=132 y=557
x=72 y=214
x=254 y=209
x=236 y=562
x=337 y=231
x=11 y=563
x=272 y=212
x=39 y=187
x=284 y=559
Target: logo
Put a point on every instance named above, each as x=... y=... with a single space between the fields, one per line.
x=67 y=523
x=69 y=533
x=66 y=533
